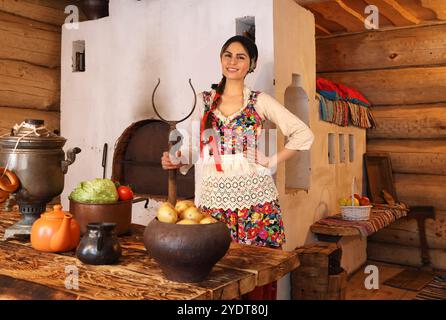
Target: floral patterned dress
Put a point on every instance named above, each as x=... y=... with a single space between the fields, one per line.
x=243 y=194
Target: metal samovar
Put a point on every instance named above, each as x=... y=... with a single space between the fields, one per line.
x=36 y=156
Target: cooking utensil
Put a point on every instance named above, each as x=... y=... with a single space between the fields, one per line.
x=36 y=156
x=172 y=178
x=118 y=212
x=104 y=159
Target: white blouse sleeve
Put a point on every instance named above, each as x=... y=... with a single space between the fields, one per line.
x=299 y=136
x=191 y=142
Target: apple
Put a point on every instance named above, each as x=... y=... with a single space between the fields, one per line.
x=187 y=221
x=357 y=196
x=167 y=214
x=182 y=205
x=364 y=201
x=208 y=220
x=192 y=213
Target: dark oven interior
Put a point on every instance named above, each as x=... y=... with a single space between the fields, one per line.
x=137 y=161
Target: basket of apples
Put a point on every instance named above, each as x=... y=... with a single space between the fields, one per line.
x=355 y=208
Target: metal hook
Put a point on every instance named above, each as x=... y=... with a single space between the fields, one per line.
x=175 y=122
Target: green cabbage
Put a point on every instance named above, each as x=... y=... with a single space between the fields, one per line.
x=95 y=191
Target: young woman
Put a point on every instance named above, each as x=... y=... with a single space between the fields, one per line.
x=235 y=183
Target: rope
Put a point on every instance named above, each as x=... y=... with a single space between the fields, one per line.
x=16 y=129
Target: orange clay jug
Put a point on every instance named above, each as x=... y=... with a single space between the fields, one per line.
x=55 y=231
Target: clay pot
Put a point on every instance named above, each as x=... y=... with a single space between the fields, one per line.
x=99 y=245
x=186 y=253
x=55 y=231
x=95 y=9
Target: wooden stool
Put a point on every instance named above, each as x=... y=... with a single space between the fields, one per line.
x=319 y=276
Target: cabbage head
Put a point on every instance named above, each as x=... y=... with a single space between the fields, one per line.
x=95 y=191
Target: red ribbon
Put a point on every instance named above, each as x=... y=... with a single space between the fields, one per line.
x=215 y=151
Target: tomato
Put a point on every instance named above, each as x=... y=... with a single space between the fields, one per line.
x=125 y=193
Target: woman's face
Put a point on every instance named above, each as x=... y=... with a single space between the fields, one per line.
x=235 y=62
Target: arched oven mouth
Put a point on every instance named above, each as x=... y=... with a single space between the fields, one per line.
x=137 y=161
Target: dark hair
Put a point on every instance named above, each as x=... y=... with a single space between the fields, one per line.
x=253 y=53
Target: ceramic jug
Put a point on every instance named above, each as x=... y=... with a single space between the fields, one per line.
x=100 y=244
x=55 y=231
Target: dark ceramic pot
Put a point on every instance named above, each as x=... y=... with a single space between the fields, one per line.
x=186 y=253
x=99 y=245
x=94 y=9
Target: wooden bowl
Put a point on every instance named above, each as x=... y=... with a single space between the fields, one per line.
x=186 y=253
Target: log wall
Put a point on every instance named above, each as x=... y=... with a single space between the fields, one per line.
x=30 y=54
x=403 y=73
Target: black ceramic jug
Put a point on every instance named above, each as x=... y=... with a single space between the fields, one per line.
x=99 y=245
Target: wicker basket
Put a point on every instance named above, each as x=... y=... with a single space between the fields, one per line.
x=355 y=213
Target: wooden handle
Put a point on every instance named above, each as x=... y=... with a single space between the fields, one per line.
x=172 y=187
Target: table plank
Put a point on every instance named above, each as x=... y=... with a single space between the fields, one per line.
x=137 y=276
x=268 y=264
x=95 y=282
x=15 y=289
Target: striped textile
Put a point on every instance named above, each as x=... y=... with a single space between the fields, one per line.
x=436 y=290
x=380 y=217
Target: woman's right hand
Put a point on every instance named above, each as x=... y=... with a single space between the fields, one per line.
x=167 y=164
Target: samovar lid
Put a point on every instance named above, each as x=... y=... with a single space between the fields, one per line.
x=31 y=134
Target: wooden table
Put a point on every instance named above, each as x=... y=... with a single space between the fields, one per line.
x=28 y=274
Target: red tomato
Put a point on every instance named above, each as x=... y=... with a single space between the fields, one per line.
x=125 y=193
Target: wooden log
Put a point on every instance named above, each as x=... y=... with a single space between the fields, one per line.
x=409 y=122
x=421 y=190
x=47 y=11
x=404 y=255
x=21 y=40
x=406 y=146
x=413 y=156
x=28 y=86
x=405 y=232
x=11 y=116
x=417 y=46
x=396 y=86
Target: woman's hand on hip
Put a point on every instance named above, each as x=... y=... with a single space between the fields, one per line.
x=166 y=162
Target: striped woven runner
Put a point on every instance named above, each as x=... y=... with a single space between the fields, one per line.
x=436 y=290
x=380 y=217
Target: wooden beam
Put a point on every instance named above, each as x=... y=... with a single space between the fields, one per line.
x=438 y=6
x=405 y=232
x=404 y=255
x=393 y=11
x=396 y=86
x=24 y=85
x=339 y=12
x=421 y=190
x=322 y=29
x=417 y=46
x=414 y=122
x=21 y=40
x=413 y=156
x=47 y=11
x=406 y=145
x=11 y=116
